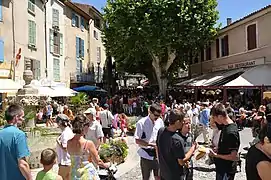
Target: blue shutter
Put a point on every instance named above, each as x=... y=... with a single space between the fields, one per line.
x=1 y=17
x=73 y=19
x=1 y=50
x=77 y=47
x=82 y=49
x=82 y=23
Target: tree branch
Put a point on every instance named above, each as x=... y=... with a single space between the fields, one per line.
x=171 y=58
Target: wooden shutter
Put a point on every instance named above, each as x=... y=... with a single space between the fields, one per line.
x=82 y=49
x=1 y=16
x=251 y=37
x=217 y=48
x=208 y=53
x=77 y=47
x=2 y=50
x=30 y=35
x=226 y=41
x=55 y=17
x=61 y=44
x=51 y=41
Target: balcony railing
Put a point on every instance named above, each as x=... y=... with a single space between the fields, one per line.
x=81 y=77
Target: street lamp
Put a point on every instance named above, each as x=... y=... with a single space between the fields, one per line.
x=98 y=78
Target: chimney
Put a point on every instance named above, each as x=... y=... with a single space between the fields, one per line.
x=229 y=21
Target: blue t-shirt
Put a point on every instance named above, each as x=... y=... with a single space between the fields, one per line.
x=13 y=146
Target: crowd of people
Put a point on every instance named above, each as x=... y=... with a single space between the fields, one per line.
x=166 y=136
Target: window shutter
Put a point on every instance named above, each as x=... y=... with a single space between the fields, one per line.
x=1 y=16
x=217 y=48
x=56 y=70
x=208 y=53
x=82 y=23
x=55 y=17
x=51 y=41
x=251 y=37
x=82 y=49
x=2 y=50
x=77 y=47
x=34 y=33
x=226 y=41
x=30 y=35
x=81 y=66
x=61 y=44
x=73 y=19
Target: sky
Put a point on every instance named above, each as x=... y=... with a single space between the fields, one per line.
x=234 y=9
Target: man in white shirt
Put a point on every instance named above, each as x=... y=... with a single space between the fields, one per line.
x=106 y=118
x=64 y=161
x=94 y=132
x=145 y=136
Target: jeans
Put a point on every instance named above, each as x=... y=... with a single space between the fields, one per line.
x=224 y=176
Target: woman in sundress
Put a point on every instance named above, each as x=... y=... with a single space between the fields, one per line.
x=80 y=149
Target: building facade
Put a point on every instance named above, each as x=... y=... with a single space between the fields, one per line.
x=77 y=57
x=241 y=44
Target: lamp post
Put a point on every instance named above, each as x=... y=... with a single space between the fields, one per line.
x=98 y=78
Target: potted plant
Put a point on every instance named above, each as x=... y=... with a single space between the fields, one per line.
x=131 y=125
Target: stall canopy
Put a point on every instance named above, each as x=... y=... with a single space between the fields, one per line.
x=257 y=76
x=60 y=91
x=9 y=86
x=213 y=79
x=85 y=88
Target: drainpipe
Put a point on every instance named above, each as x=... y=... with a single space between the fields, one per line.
x=45 y=37
x=13 y=39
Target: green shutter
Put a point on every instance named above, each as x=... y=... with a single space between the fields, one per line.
x=31 y=32
x=56 y=70
x=61 y=44
x=51 y=41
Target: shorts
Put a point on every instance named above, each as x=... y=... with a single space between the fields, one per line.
x=107 y=132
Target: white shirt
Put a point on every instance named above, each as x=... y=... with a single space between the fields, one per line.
x=151 y=130
x=195 y=119
x=63 y=157
x=94 y=132
x=106 y=118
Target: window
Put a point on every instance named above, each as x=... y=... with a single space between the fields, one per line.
x=217 y=48
x=82 y=23
x=95 y=34
x=31 y=6
x=75 y=20
x=31 y=33
x=1 y=17
x=56 y=69
x=251 y=37
x=1 y=50
x=98 y=54
x=55 y=17
x=80 y=48
x=225 y=46
x=208 y=53
x=56 y=43
x=97 y=23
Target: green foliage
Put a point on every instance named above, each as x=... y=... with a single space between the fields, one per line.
x=2 y=119
x=80 y=99
x=131 y=124
x=114 y=150
x=137 y=32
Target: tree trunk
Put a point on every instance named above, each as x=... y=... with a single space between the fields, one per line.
x=162 y=71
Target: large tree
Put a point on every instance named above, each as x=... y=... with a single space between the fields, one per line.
x=158 y=35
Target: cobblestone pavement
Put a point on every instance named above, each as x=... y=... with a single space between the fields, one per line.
x=202 y=171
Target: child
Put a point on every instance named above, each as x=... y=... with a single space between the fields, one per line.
x=123 y=124
x=48 y=159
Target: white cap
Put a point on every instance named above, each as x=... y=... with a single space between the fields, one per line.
x=91 y=111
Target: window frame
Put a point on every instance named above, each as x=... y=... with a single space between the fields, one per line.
x=56 y=43
x=55 y=23
x=54 y=68
x=30 y=23
x=257 y=35
x=31 y=6
x=221 y=47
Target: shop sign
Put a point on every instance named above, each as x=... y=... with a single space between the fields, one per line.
x=4 y=73
x=240 y=65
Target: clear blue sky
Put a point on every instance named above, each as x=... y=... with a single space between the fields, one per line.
x=235 y=9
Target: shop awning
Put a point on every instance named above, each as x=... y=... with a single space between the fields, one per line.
x=212 y=79
x=9 y=86
x=257 y=76
x=60 y=91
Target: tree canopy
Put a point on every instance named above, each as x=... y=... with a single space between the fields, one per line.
x=157 y=35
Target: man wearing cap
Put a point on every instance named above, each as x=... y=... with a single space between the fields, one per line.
x=94 y=132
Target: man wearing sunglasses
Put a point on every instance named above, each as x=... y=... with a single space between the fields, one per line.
x=145 y=136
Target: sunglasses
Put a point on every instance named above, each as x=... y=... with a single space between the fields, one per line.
x=156 y=115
